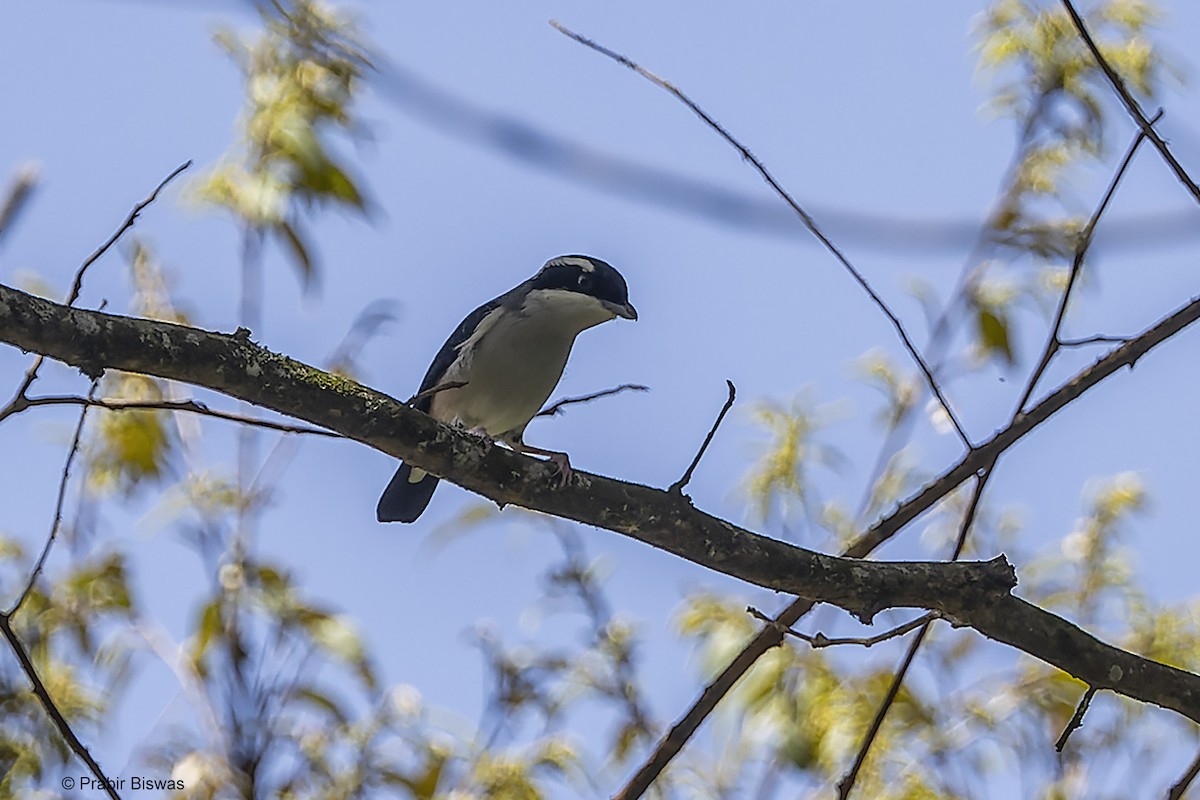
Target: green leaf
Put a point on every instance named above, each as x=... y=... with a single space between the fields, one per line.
x=301 y=256
x=993 y=334
x=209 y=627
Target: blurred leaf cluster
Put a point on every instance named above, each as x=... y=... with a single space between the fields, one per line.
x=302 y=73
x=70 y=630
x=1057 y=96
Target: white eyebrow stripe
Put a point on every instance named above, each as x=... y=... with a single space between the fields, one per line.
x=567 y=261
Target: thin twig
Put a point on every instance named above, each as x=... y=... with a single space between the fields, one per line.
x=1099 y=339
x=846 y=784
x=1076 y=718
x=804 y=216
x=432 y=390
x=1131 y=105
x=1053 y=342
x=10 y=408
x=557 y=407
x=77 y=282
x=677 y=487
x=819 y=640
x=52 y=711
x=1181 y=786
x=193 y=406
x=56 y=523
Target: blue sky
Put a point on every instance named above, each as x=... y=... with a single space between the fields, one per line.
x=873 y=111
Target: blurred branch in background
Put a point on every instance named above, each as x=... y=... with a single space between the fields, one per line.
x=576 y=161
x=16 y=196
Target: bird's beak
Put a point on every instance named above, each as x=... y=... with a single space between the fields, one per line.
x=627 y=310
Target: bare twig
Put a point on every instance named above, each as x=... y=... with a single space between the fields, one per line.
x=677 y=486
x=17 y=403
x=1099 y=339
x=56 y=523
x=846 y=784
x=1131 y=105
x=1181 y=785
x=19 y=191
x=804 y=216
x=818 y=640
x=77 y=283
x=432 y=390
x=557 y=407
x=193 y=406
x=52 y=711
x=1076 y=718
x=1053 y=342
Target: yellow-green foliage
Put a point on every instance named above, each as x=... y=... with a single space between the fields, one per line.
x=302 y=74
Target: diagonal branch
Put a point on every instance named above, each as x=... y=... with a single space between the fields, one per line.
x=77 y=283
x=677 y=487
x=974 y=594
x=56 y=523
x=1131 y=104
x=804 y=216
x=1054 y=342
x=52 y=711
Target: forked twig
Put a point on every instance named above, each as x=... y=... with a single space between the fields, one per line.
x=819 y=640
x=846 y=784
x=77 y=282
x=677 y=486
x=1053 y=342
x=19 y=402
x=804 y=216
x=557 y=407
x=56 y=522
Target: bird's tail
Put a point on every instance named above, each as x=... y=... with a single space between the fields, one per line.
x=406 y=496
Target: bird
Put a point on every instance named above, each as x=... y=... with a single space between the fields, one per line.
x=499 y=366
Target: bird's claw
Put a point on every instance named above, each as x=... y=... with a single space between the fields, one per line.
x=563 y=465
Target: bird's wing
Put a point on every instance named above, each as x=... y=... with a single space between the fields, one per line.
x=450 y=350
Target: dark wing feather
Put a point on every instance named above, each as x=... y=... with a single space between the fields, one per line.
x=449 y=351
x=403 y=501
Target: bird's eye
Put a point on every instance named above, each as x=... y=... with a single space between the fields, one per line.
x=585 y=282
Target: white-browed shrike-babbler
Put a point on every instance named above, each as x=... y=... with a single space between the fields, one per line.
x=509 y=354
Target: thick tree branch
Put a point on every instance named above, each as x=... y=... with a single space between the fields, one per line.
x=972 y=594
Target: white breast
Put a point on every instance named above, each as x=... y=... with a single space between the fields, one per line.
x=514 y=360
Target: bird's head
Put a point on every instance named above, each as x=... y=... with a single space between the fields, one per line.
x=583 y=284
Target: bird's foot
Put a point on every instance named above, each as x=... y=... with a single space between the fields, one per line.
x=480 y=433
x=563 y=464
